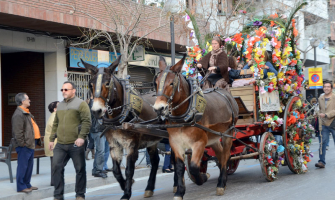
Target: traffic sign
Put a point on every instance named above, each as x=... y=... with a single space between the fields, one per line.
x=315 y=78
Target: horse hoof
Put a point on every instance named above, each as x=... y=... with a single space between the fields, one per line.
x=174 y=189
x=220 y=191
x=148 y=193
x=177 y=198
x=208 y=175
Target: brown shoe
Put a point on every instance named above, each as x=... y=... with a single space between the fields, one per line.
x=33 y=188
x=80 y=198
x=27 y=190
x=320 y=164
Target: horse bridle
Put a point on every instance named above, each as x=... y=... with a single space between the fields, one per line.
x=98 y=88
x=176 y=83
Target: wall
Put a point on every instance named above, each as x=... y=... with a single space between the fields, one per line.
x=23 y=72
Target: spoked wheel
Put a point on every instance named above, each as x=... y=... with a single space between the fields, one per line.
x=203 y=165
x=268 y=157
x=232 y=165
x=288 y=138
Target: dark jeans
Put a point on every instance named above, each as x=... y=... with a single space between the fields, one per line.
x=90 y=141
x=167 y=158
x=106 y=154
x=62 y=154
x=99 y=158
x=325 y=139
x=25 y=163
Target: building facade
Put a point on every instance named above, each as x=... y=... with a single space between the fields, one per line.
x=35 y=57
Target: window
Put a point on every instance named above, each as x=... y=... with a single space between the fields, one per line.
x=225 y=7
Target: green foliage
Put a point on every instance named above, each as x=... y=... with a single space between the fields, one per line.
x=202 y=44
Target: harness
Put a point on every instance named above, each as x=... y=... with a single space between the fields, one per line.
x=176 y=84
x=197 y=101
x=132 y=103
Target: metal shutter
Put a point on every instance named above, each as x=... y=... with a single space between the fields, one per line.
x=141 y=74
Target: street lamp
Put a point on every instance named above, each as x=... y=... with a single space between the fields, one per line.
x=315 y=43
x=172 y=6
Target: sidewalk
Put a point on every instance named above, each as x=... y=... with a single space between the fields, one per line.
x=42 y=180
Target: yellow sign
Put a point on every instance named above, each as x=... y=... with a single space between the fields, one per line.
x=315 y=78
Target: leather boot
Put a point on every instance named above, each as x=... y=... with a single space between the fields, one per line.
x=93 y=153
x=87 y=152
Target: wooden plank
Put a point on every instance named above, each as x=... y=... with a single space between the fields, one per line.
x=244 y=121
x=242 y=92
x=248 y=87
x=247 y=98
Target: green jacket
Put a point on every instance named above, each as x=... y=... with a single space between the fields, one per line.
x=72 y=121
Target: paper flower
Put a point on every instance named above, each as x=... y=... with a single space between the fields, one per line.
x=257 y=23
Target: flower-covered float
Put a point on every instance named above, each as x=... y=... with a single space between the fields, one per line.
x=277 y=35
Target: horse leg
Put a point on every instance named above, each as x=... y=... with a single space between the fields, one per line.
x=198 y=149
x=130 y=169
x=175 y=177
x=116 y=152
x=154 y=160
x=222 y=152
x=179 y=170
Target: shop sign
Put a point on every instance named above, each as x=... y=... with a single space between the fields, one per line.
x=138 y=54
x=94 y=57
x=153 y=61
x=315 y=78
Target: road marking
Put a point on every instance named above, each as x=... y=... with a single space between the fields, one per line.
x=94 y=189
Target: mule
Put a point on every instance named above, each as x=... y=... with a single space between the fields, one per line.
x=220 y=113
x=108 y=93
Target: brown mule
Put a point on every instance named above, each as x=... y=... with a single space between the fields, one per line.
x=106 y=87
x=217 y=116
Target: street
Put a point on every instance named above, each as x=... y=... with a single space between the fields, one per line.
x=246 y=183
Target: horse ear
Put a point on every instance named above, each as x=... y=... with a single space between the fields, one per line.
x=89 y=68
x=162 y=63
x=113 y=66
x=179 y=65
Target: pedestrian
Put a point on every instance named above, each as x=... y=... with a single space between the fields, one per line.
x=327 y=122
x=107 y=149
x=99 y=143
x=72 y=124
x=24 y=131
x=52 y=109
x=167 y=167
x=90 y=146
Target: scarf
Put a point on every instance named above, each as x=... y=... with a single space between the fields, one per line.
x=214 y=55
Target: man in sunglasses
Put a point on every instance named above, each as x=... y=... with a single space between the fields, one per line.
x=72 y=124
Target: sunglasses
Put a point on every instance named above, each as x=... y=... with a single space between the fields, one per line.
x=65 y=90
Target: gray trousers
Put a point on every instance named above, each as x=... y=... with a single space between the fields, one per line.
x=99 y=159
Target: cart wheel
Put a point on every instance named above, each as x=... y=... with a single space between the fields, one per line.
x=268 y=157
x=286 y=137
x=203 y=165
x=232 y=166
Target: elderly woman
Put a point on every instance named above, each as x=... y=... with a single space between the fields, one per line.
x=52 y=109
x=216 y=62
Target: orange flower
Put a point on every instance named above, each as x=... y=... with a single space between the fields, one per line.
x=295 y=32
x=272 y=23
x=274 y=16
x=296 y=136
x=196 y=49
x=259 y=32
x=238 y=38
x=293 y=23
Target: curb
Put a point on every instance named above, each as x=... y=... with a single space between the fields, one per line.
x=47 y=192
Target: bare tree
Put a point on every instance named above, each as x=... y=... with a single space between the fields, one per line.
x=124 y=25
